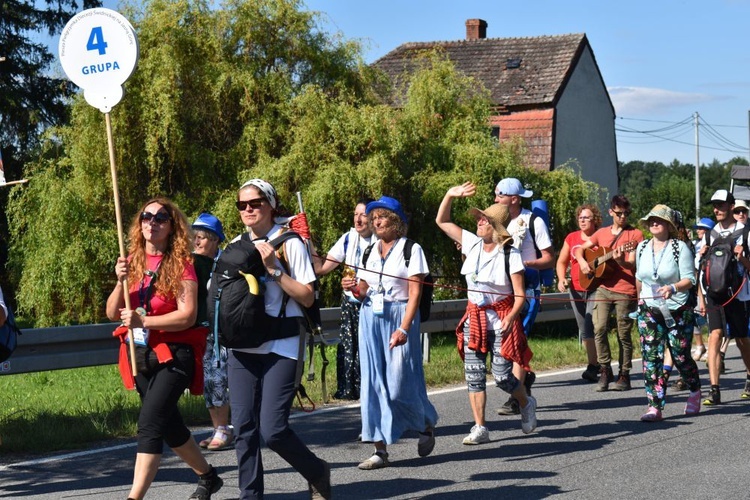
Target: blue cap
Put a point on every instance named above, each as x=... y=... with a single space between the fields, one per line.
x=387 y=203
x=705 y=223
x=209 y=222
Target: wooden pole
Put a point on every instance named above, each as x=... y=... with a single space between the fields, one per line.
x=120 y=237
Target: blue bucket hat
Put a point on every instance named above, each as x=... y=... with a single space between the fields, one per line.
x=387 y=203
x=705 y=223
x=209 y=222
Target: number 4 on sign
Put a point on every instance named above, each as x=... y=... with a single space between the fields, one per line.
x=96 y=41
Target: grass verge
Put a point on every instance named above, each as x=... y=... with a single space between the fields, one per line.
x=69 y=409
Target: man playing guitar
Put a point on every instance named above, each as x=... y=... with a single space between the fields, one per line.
x=616 y=291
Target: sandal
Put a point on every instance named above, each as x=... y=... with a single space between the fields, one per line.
x=377 y=461
x=204 y=444
x=222 y=439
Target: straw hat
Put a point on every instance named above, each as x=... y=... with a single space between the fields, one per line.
x=498 y=217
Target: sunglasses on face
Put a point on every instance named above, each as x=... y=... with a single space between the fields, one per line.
x=159 y=217
x=253 y=204
x=621 y=214
x=741 y=212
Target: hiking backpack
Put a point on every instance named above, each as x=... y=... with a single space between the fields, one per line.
x=236 y=304
x=9 y=333
x=720 y=275
x=428 y=282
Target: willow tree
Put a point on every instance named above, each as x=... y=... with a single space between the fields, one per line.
x=212 y=96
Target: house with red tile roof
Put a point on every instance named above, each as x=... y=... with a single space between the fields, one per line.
x=547 y=90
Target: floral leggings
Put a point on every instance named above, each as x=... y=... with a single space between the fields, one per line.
x=655 y=336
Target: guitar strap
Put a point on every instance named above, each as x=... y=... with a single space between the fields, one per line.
x=624 y=228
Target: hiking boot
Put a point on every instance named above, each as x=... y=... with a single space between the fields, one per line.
x=605 y=377
x=623 y=382
x=478 y=435
x=510 y=407
x=321 y=489
x=746 y=392
x=528 y=381
x=591 y=373
x=713 y=399
x=208 y=484
x=528 y=416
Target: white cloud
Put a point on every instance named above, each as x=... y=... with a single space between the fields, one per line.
x=647 y=101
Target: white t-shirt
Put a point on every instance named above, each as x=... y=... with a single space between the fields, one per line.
x=541 y=234
x=2 y=303
x=486 y=279
x=300 y=269
x=391 y=271
x=355 y=248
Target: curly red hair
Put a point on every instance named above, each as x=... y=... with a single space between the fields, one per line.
x=177 y=254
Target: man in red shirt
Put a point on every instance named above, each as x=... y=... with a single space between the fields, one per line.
x=615 y=290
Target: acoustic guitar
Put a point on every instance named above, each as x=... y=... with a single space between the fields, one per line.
x=599 y=261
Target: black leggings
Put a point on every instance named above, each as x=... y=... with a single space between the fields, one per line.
x=159 y=420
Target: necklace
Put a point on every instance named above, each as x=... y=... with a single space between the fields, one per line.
x=655 y=265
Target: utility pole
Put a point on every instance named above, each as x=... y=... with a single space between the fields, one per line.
x=697 y=172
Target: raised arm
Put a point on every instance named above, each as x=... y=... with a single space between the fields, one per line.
x=443 y=218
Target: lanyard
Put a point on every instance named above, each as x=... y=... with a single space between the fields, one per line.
x=477 y=269
x=382 y=263
x=655 y=265
x=357 y=252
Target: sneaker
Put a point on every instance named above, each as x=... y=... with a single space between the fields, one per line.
x=693 y=405
x=528 y=381
x=426 y=442
x=478 y=435
x=680 y=385
x=605 y=377
x=591 y=373
x=698 y=352
x=528 y=416
x=377 y=461
x=746 y=392
x=222 y=439
x=704 y=357
x=208 y=484
x=713 y=399
x=652 y=415
x=321 y=489
x=623 y=382
x=510 y=407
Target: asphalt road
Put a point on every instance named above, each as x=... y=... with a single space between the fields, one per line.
x=588 y=445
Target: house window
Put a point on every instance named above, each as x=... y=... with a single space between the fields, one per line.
x=495 y=132
x=513 y=63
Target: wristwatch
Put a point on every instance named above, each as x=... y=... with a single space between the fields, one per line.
x=275 y=274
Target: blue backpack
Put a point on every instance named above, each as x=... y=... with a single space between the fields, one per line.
x=9 y=333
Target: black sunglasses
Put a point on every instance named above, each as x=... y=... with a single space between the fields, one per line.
x=160 y=217
x=254 y=204
x=620 y=214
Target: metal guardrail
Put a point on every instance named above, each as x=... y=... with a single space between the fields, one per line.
x=41 y=349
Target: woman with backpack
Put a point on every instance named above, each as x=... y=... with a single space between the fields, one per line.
x=492 y=322
x=665 y=275
x=263 y=379
x=393 y=393
x=163 y=292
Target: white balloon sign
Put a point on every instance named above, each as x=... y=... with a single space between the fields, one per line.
x=98 y=51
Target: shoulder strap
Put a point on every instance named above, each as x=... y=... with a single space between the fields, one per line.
x=346 y=244
x=366 y=254
x=407 y=251
x=506 y=249
x=643 y=247
x=283 y=237
x=532 y=231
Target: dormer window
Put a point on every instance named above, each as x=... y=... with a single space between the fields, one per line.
x=513 y=63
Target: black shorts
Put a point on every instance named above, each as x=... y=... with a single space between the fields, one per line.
x=734 y=315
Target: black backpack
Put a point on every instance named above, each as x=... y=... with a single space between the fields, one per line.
x=9 y=333
x=240 y=317
x=428 y=282
x=720 y=275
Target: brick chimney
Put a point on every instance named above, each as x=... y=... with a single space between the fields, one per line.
x=476 y=29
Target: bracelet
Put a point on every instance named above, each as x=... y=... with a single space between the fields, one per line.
x=402 y=331
x=674 y=288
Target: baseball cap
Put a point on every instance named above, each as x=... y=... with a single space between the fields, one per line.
x=211 y=223
x=512 y=187
x=387 y=203
x=722 y=195
x=739 y=204
x=705 y=223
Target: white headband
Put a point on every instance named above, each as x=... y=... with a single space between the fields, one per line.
x=267 y=189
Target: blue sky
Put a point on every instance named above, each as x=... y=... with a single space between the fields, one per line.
x=662 y=60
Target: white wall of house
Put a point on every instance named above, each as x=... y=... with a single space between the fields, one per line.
x=585 y=126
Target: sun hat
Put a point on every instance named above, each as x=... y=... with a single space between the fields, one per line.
x=498 y=216
x=512 y=187
x=705 y=223
x=662 y=212
x=387 y=203
x=722 y=195
x=269 y=192
x=739 y=204
x=211 y=223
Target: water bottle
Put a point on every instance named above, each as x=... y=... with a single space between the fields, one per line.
x=661 y=303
